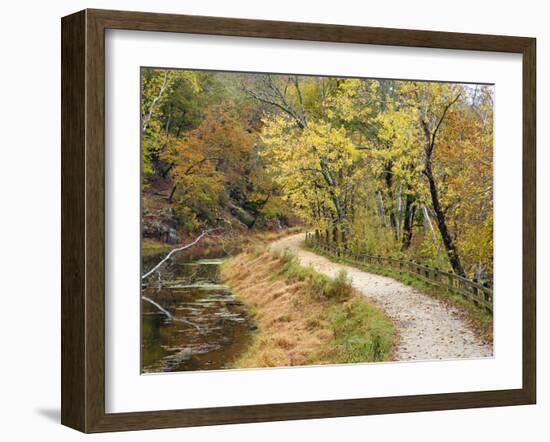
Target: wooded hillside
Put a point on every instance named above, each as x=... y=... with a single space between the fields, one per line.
x=390 y=167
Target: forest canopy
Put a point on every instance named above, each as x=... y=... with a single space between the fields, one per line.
x=389 y=167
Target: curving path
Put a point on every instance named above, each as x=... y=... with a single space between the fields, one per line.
x=428 y=328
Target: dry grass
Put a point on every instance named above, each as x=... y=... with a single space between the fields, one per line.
x=299 y=314
x=281 y=312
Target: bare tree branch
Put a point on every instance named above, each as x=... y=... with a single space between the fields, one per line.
x=432 y=143
x=158 y=306
x=155 y=100
x=273 y=96
x=168 y=314
x=176 y=250
x=200 y=163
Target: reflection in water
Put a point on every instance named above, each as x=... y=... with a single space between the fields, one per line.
x=208 y=327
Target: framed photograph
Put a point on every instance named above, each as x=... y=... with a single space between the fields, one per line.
x=268 y=221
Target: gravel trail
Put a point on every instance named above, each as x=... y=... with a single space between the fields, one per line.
x=428 y=328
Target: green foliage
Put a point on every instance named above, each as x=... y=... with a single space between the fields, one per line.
x=321 y=286
x=187 y=218
x=159 y=87
x=360 y=333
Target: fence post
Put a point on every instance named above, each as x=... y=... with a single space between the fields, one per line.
x=465 y=289
x=488 y=298
x=479 y=293
x=475 y=295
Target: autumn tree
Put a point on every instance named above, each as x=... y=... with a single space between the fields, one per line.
x=318 y=165
x=434 y=130
x=209 y=160
x=157 y=88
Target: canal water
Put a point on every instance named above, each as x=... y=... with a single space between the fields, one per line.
x=189 y=319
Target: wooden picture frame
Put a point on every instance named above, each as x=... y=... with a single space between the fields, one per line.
x=83 y=220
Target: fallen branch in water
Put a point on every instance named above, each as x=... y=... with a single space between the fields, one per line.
x=176 y=250
x=160 y=307
x=168 y=314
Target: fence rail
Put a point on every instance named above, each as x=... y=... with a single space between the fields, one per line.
x=480 y=294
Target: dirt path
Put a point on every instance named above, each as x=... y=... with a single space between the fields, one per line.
x=428 y=328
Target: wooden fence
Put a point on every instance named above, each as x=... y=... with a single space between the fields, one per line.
x=480 y=294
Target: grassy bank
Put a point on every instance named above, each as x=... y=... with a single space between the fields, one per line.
x=304 y=317
x=478 y=318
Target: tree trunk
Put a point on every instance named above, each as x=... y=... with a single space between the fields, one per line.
x=408 y=222
x=428 y=225
x=172 y=193
x=450 y=247
x=388 y=178
x=381 y=209
x=398 y=217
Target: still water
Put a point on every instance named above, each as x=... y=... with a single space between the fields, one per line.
x=190 y=321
